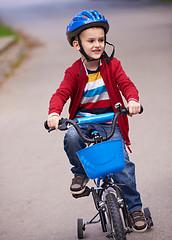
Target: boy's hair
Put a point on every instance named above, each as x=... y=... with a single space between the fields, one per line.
x=85 y=20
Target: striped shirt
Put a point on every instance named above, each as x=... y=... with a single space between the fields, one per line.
x=95 y=98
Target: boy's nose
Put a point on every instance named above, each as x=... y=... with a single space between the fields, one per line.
x=97 y=43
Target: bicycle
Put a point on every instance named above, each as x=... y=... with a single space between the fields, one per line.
x=108 y=198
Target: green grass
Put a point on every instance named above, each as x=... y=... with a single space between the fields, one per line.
x=6 y=31
x=169 y=1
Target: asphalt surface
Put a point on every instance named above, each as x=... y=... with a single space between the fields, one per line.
x=35 y=202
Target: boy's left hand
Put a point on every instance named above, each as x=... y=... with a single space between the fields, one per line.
x=134 y=107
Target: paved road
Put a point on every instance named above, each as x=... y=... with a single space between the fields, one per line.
x=35 y=203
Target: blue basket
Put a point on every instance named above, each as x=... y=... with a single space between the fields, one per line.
x=102 y=158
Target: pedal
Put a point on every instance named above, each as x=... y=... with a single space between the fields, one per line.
x=84 y=194
x=148 y=217
x=150 y=222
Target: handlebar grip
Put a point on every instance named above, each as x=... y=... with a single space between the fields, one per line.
x=141 y=109
x=125 y=111
x=47 y=127
x=62 y=125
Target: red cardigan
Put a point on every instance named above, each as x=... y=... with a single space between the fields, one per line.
x=73 y=86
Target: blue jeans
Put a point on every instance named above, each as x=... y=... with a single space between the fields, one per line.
x=125 y=179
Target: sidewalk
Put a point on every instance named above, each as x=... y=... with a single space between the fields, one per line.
x=10 y=54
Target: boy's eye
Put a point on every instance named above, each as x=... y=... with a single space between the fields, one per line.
x=91 y=41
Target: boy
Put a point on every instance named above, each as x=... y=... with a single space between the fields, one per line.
x=93 y=83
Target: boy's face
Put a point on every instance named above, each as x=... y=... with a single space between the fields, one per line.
x=93 y=41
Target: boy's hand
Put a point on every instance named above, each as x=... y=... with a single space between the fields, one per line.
x=134 y=107
x=53 y=122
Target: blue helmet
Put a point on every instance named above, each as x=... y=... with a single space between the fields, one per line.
x=84 y=20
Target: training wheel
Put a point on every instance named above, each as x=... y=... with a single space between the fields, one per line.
x=80 y=228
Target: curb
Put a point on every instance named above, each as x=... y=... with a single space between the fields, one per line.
x=11 y=52
x=6 y=42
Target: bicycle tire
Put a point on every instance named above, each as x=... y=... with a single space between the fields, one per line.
x=80 y=228
x=113 y=213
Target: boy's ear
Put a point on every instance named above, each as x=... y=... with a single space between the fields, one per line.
x=76 y=45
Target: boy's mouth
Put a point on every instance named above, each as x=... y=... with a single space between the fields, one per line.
x=97 y=51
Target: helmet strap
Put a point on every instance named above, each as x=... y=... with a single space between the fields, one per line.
x=81 y=68
x=113 y=51
x=105 y=56
x=82 y=51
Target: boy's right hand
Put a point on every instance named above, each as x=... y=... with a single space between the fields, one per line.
x=53 y=122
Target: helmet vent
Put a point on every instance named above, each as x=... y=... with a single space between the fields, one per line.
x=94 y=14
x=86 y=16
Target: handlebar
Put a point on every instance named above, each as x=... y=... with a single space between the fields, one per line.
x=101 y=118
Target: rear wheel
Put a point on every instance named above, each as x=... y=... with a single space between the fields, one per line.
x=113 y=217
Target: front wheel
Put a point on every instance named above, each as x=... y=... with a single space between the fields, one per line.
x=113 y=216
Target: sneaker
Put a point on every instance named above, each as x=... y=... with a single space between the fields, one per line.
x=78 y=184
x=138 y=221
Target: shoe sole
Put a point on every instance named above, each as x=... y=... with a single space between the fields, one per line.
x=78 y=192
x=142 y=230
